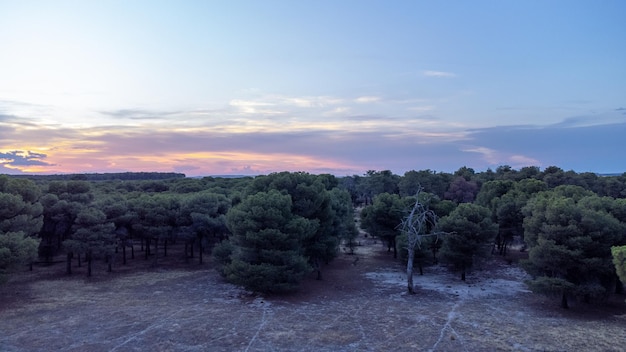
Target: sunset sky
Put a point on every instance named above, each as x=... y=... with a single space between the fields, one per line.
x=341 y=87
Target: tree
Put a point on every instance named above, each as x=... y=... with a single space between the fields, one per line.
x=343 y=217
x=115 y=207
x=619 y=260
x=461 y=190
x=62 y=203
x=267 y=253
x=570 y=232
x=381 y=219
x=470 y=228
x=311 y=200
x=155 y=220
x=377 y=182
x=20 y=220
x=430 y=181
x=491 y=190
x=553 y=176
x=93 y=235
x=419 y=224
x=16 y=248
x=202 y=219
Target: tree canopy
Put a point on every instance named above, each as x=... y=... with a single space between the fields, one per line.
x=570 y=232
x=268 y=253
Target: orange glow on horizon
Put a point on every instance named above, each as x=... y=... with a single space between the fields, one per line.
x=192 y=164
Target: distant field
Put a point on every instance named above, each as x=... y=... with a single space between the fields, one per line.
x=360 y=306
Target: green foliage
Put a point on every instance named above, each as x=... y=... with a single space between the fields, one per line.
x=550 y=285
x=432 y=182
x=570 y=232
x=469 y=228
x=205 y=212
x=619 y=260
x=268 y=253
x=378 y=182
x=16 y=248
x=20 y=220
x=155 y=215
x=461 y=190
x=310 y=200
x=422 y=253
x=491 y=190
x=202 y=219
x=381 y=219
x=343 y=217
x=222 y=255
x=92 y=234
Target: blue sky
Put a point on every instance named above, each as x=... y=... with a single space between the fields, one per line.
x=248 y=87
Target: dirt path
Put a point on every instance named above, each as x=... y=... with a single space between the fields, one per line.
x=360 y=305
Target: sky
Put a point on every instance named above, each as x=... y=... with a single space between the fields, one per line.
x=341 y=87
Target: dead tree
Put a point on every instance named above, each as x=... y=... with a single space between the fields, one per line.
x=419 y=224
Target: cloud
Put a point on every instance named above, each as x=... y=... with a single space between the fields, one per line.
x=595 y=148
x=422 y=108
x=20 y=159
x=389 y=144
x=267 y=133
x=488 y=154
x=340 y=110
x=593 y=119
x=367 y=99
x=496 y=158
x=442 y=74
x=307 y=101
x=137 y=114
x=283 y=104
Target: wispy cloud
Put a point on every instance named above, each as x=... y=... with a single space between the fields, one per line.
x=424 y=108
x=443 y=74
x=495 y=158
x=138 y=114
x=367 y=99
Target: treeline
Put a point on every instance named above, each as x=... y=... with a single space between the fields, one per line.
x=122 y=176
x=86 y=221
x=267 y=232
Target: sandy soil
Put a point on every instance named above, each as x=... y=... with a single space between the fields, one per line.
x=360 y=305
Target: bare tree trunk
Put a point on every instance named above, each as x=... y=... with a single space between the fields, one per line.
x=409 y=270
x=156 y=251
x=69 y=263
x=89 y=264
x=124 y=254
x=564 y=304
x=318 y=268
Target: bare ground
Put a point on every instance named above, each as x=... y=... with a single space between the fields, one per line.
x=358 y=306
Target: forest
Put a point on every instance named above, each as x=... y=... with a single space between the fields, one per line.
x=267 y=233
